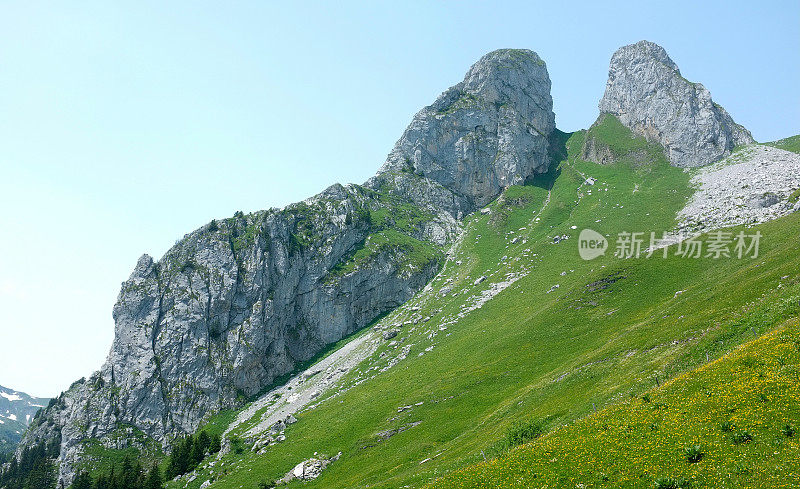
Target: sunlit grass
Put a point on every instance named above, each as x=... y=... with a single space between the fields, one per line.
x=536 y=353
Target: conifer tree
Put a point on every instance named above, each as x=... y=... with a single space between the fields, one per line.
x=82 y=481
x=154 y=479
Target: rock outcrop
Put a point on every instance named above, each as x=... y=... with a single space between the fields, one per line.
x=485 y=133
x=648 y=94
x=238 y=303
x=309 y=469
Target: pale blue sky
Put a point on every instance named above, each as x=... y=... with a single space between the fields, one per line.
x=124 y=125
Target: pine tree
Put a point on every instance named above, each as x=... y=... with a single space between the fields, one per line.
x=41 y=476
x=82 y=481
x=113 y=480
x=198 y=453
x=154 y=479
x=102 y=482
x=185 y=460
x=180 y=458
x=203 y=442
x=126 y=479
x=215 y=445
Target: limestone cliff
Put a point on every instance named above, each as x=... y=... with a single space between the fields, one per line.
x=240 y=302
x=485 y=133
x=648 y=94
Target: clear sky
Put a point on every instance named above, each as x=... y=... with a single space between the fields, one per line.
x=125 y=125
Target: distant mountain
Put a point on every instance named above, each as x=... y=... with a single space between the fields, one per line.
x=17 y=409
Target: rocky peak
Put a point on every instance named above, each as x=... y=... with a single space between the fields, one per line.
x=238 y=303
x=487 y=132
x=648 y=94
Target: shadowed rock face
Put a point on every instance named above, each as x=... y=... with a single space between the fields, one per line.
x=240 y=302
x=646 y=92
x=485 y=133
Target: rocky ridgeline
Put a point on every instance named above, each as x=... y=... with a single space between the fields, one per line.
x=648 y=94
x=240 y=302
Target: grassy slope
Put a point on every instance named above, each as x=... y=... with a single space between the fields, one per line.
x=530 y=354
x=641 y=442
x=789 y=144
x=609 y=133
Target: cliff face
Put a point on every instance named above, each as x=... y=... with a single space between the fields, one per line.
x=485 y=133
x=240 y=302
x=648 y=94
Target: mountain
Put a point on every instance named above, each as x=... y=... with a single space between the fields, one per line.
x=517 y=336
x=490 y=131
x=238 y=303
x=649 y=96
x=17 y=409
x=391 y=333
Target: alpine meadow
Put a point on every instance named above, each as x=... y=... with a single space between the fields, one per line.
x=502 y=305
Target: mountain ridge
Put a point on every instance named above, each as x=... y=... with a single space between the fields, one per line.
x=241 y=302
x=17 y=410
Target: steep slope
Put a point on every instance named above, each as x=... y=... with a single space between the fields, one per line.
x=740 y=411
x=17 y=409
x=238 y=303
x=648 y=94
x=518 y=328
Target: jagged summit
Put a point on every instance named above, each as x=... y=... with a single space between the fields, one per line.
x=648 y=94
x=487 y=132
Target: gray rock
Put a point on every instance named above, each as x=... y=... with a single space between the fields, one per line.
x=751 y=186
x=240 y=302
x=483 y=134
x=388 y=335
x=309 y=469
x=766 y=199
x=648 y=94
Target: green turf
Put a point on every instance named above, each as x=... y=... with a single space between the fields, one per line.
x=100 y=458
x=611 y=330
x=625 y=147
x=789 y=144
x=731 y=423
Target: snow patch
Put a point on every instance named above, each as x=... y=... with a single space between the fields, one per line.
x=11 y=397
